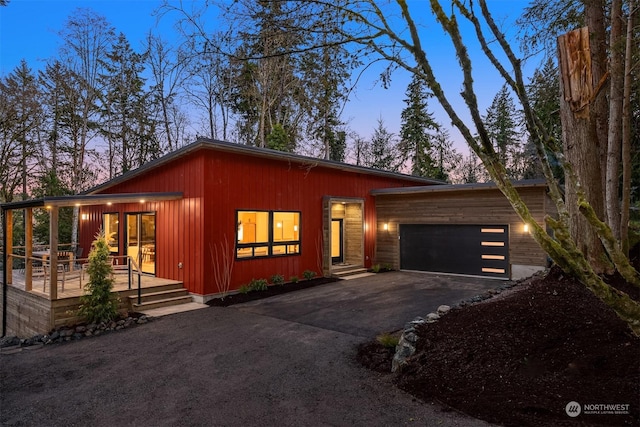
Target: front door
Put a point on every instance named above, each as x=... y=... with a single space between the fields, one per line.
x=141 y=241
x=337 y=245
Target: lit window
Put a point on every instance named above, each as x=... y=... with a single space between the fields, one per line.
x=110 y=222
x=267 y=233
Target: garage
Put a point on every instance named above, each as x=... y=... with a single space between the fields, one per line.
x=479 y=250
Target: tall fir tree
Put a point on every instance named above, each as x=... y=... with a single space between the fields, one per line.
x=382 y=149
x=501 y=121
x=125 y=120
x=417 y=129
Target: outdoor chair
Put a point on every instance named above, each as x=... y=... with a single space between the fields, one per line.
x=78 y=255
x=61 y=275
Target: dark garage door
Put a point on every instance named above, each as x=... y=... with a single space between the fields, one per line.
x=481 y=250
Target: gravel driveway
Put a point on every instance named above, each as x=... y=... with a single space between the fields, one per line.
x=287 y=360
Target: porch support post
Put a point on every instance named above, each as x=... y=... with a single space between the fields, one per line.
x=53 y=253
x=325 y=237
x=28 y=249
x=5 y=267
x=8 y=216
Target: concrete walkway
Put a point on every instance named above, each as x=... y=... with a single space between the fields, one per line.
x=286 y=361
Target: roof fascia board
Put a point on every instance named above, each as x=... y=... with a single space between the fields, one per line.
x=456 y=187
x=91 y=200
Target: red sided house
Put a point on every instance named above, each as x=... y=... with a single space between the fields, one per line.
x=268 y=211
x=212 y=216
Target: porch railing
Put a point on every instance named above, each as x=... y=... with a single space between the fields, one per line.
x=71 y=269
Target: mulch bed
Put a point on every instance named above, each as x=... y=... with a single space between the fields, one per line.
x=273 y=290
x=520 y=359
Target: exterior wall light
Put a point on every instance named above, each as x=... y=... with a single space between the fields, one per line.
x=525 y=228
x=385 y=226
x=84 y=216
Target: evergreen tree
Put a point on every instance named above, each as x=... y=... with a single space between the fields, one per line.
x=98 y=304
x=125 y=119
x=543 y=92
x=417 y=129
x=501 y=121
x=278 y=139
x=382 y=153
x=446 y=157
x=337 y=145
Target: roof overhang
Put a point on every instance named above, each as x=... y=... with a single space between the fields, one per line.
x=533 y=183
x=91 y=200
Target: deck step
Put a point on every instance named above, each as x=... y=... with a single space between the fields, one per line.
x=150 y=305
x=158 y=295
x=342 y=273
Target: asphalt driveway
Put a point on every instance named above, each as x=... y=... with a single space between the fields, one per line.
x=367 y=306
x=287 y=360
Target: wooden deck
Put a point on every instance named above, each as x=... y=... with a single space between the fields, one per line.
x=33 y=312
x=71 y=284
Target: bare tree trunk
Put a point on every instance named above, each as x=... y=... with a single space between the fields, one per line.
x=626 y=132
x=595 y=14
x=580 y=138
x=615 y=119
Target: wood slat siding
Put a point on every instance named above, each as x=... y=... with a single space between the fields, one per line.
x=353 y=234
x=486 y=206
x=27 y=314
x=215 y=185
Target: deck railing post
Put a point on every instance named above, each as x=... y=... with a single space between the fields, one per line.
x=139 y=290
x=129 y=276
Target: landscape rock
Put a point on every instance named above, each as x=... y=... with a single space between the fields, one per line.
x=9 y=341
x=68 y=333
x=443 y=309
x=432 y=317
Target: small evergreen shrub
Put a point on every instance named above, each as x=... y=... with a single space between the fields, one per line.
x=375 y=268
x=99 y=304
x=294 y=279
x=308 y=274
x=277 y=279
x=244 y=289
x=258 y=285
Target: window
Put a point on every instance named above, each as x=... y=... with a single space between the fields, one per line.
x=267 y=233
x=110 y=224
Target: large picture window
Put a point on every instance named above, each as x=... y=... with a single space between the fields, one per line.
x=267 y=233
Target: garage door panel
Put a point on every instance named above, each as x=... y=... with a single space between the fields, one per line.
x=461 y=249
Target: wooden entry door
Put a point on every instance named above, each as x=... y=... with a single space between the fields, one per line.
x=337 y=241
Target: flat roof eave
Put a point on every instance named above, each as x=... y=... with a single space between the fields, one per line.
x=541 y=183
x=91 y=200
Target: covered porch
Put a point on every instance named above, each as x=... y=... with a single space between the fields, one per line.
x=42 y=284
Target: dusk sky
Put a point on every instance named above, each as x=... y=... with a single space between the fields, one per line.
x=29 y=30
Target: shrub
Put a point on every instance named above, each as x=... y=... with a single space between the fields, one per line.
x=98 y=304
x=308 y=274
x=294 y=279
x=387 y=267
x=375 y=268
x=388 y=340
x=277 y=279
x=244 y=289
x=258 y=285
